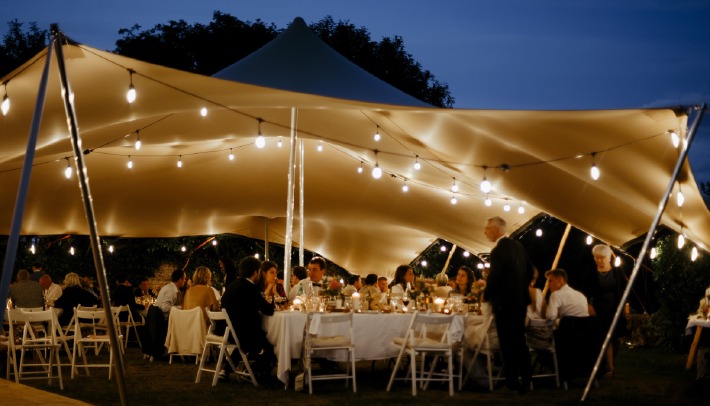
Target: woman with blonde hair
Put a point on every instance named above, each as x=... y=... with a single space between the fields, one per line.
x=201 y=293
x=73 y=295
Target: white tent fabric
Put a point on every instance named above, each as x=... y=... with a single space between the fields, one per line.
x=363 y=224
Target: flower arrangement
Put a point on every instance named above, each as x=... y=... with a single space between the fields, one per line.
x=422 y=287
x=332 y=288
x=477 y=289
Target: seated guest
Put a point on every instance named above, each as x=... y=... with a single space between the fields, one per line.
x=245 y=305
x=37 y=271
x=354 y=285
x=122 y=294
x=464 y=282
x=442 y=285
x=535 y=298
x=299 y=273
x=50 y=290
x=403 y=276
x=168 y=295
x=72 y=296
x=564 y=301
x=25 y=292
x=87 y=283
x=229 y=270
x=267 y=280
x=370 y=293
x=315 y=279
x=383 y=285
x=201 y=293
x=143 y=289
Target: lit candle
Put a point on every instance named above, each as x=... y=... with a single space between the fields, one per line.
x=296 y=304
x=356 y=301
x=439 y=304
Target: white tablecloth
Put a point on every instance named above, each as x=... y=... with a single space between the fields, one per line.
x=373 y=334
x=694 y=321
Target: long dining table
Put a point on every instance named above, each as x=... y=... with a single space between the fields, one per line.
x=372 y=335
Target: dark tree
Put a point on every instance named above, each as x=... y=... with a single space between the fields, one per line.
x=19 y=45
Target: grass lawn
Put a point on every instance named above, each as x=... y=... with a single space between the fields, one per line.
x=643 y=376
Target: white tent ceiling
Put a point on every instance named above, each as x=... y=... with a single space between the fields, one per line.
x=363 y=224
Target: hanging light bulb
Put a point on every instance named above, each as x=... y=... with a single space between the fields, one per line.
x=454 y=200
x=480 y=265
x=617 y=262
x=466 y=254
x=694 y=254
x=131 y=94
x=488 y=202
x=260 y=140
x=5 y=105
x=359 y=169
x=377 y=171
x=681 y=241
x=377 y=134
x=506 y=207
x=675 y=139
x=405 y=188
x=179 y=163
x=203 y=112
x=67 y=172
x=231 y=155
x=654 y=252
x=214 y=242
x=256 y=255
x=138 y=140
x=680 y=199
x=521 y=209
x=442 y=248
x=183 y=248
x=589 y=240
x=417 y=165
x=424 y=263
x=279 y=143
x=538 y=232
x=320 y=146
x=32 y=248
x=71 y=250
x=110 y=249
x=455 y=187
x=130 y=162
x=594 y=172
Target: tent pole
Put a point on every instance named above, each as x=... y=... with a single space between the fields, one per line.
x=21 y=199
x=556 y=261
x=451 y=254
x=301 y=201
x=647 y=242
x=289 y=201
x=266 y=239
x=82 y=175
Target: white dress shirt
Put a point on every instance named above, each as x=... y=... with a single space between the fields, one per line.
x=167 y=298
x=567 y=302
x=52 y=293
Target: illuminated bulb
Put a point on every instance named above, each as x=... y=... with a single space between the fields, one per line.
x=67 y=172
x=110 y=249
x=183 y=249
x=203 y=112
x=405 y=187
x=485 y=186
x=486 y=265
x=680 y=198
x=341 y=281
x=480 y=265
x=279 y=143
x=595 y=172
x=454 y=200
x=521 y=209
x=359 y=169
x=320 y=146
x=506 y=207
x=654 y=253
x=455 y=187
x=256 y=255
x=131 y=93
x=466 y=254
x=377 y=134
x=443 y=248
x=5 y=106
x=617 y=262
x=231 y=155
x=681 y=241
x=377 y=171
x=538 y=232
x=589 y=240
x=71 y=250
x=488 y=202
x=675 y=139
x=138 y=143
x=260 y=142
x=694 y=254
x=417 y=165
x=424 y=263
x=130 y=162
x=32 y=248
x=179 y=163
x=214 y=242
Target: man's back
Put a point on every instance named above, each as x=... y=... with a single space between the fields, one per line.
x=26 y=293
x=245 y=305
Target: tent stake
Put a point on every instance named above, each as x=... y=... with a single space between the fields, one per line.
x=82 y=173
x=647 y=242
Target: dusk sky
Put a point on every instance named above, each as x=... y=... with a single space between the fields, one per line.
x=532 y=55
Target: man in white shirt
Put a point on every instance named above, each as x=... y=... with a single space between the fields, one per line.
x=51 y=291
x=167 y=297
x=316 y=271
x=564 y=301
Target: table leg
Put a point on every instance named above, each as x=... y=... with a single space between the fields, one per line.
x=694 y=347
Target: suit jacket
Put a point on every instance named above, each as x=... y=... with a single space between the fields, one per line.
x=509 y=276
x=245 y=305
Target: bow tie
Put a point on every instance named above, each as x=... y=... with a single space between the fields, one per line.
x=317 y=284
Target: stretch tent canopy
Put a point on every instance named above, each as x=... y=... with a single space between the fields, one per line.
x=539 y=160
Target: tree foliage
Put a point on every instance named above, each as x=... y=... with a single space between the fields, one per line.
x=20 y=45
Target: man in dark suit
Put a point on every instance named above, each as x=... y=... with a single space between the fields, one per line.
x=507 y=292
x=245 y=305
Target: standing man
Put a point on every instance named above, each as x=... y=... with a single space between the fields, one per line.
x=245 y=305
x=507 y=292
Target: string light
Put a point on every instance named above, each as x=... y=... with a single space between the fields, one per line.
x=694 y=254
x=377 y=134
x=538 y=232
x=377 y=171
x=203 y=112
x=179 y=163
x=110 y=249
x=455 y=187
x=488 y=202
x=680 y=199
x=231 y=155
x=442 y=248
x=424 y=263
x=466 y=254
x=486 y=265
x=260 y=140
x=71 y=250
x=67 y=172
x=183 y=248
x=32 y=248
x=5 y=105
x=131 y=93
x=138 y=140
x=320 y=146
x=405 y=187
x=480 y=265
x=417 y=165
x=359 y=169
x=454 y=200
x=214 y=242
x=506 y=207
x=279 y=143
x=256 y=255
x=594 y=171
x=681 y=241
x=130 y=163
x=654 y=252
x=675 y=139
x=617 y=262
x=485 y=184
x=521 y=209
x=589 y=240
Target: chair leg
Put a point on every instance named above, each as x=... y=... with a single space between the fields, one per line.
x=394 y=370
x=218 y=367
x=413 y=362
x=352 y=360
x=490 y=372
x=451 y=371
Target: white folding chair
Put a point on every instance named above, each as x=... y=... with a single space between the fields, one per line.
x=128 y=323
x=487 y=346
x=319 y=338
x=540 y=340
x=45 y=348
x=186 y=333
x=226 y=343
x=93 y=321
x=426 y=334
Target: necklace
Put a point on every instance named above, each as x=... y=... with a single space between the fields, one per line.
x=605 y=273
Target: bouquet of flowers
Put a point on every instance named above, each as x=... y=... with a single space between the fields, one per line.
x=422 y=287
x=332 y=288
x=477 y=290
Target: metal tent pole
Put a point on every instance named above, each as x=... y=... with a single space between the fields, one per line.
x=21 y=199
x=301 y=201
x=647 y=243
x=83 y=177
x=289 y=201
